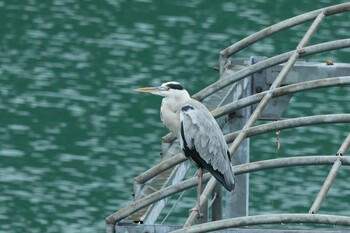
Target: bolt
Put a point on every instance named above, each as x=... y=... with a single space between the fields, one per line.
x=258 y=89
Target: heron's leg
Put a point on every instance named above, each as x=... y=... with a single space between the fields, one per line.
x=199 y=192
x=199 y=188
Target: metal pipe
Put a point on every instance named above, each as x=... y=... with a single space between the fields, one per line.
x=238 y=46
x=279 y=79
x=159 y=168
x=330 y=178
x=291 y=123
x=152 y=198
x=288 y=162
x=217 y=203
x=285 y=24
x=239 y=169
x=288 y=23
x=229 y=79
x=253 y=131
x=345 y=146
x=336 y=9
x=325 y=187
x=173 y=207
x=315 y=24
x=267 y=219
x=243 y=133
x=285 y=90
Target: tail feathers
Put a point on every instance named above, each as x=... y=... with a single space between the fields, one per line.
x=227 y=180
x=230 y=180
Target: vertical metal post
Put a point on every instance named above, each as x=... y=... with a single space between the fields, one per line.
x=217 y=203
x=237 y=202
x=204 y=209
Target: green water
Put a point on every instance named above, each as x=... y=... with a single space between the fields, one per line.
x=73 y=134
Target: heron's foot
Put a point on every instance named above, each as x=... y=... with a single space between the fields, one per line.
x=198 y=210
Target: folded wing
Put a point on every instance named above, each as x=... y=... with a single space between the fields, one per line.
x=202 y=140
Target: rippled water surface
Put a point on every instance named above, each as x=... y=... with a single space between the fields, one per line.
x=73 y=134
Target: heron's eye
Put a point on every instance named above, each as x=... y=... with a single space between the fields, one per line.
x=167 y=88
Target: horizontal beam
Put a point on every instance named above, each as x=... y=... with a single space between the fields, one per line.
x=158 y=228
x=303 y=71
x=267 y=219
x=291 y=123
x=159 y=168
x=288 y=162
x=281 y=91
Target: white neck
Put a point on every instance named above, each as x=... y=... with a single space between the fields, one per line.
x=172 y=107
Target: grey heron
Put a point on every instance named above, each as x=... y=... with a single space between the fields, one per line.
x=201 y=138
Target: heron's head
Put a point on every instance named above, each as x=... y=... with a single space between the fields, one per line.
x=168 y=89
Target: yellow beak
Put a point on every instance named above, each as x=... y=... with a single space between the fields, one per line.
x=147 y=89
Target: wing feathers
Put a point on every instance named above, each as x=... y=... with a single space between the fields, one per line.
x=202 y=137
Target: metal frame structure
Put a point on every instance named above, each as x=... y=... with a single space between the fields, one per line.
x=234 y=93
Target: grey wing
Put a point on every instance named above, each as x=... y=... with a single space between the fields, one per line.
x=202 y=139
